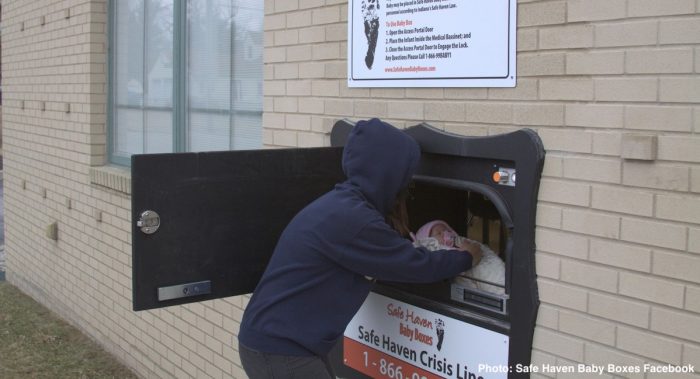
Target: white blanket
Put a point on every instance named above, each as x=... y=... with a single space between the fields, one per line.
x=490 y=269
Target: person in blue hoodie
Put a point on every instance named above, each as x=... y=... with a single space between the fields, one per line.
x=329 y=255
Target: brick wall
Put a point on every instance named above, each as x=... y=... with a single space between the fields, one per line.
x=612 y=87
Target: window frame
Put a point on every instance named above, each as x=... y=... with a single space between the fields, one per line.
x=180 y=80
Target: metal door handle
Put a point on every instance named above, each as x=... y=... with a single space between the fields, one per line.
x=149 y=222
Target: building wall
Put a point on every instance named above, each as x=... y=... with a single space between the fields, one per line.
x=612 y=87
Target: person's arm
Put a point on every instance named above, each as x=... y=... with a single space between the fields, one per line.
x=380 y=252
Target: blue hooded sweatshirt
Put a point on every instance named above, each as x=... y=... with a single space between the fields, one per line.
x=322 y=268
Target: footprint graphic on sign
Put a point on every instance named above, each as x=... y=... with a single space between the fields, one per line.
x=440 y=329
x=371 y=17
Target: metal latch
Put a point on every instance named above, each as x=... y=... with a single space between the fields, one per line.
x=149 y=222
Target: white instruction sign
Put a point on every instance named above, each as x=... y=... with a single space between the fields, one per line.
x=431 y=43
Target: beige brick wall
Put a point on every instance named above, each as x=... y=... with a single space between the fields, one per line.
x=618 y=239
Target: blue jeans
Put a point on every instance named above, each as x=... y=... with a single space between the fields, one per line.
x=260 y=365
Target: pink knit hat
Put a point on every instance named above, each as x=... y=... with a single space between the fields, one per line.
x=424 y=231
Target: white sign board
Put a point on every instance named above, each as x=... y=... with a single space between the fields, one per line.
x=388 y=338
x=431 y=43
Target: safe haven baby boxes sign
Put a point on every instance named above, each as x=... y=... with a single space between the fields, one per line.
x=431 y=43
x=388 y=338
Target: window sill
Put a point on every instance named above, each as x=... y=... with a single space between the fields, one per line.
x=113 y=177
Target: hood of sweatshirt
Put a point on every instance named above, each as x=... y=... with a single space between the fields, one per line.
x=380 y=160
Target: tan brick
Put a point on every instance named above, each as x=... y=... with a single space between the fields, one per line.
x=655 y=175
x=298 y=88
x=626 y=89
x=285 y=104
x=325 y=88
x=593 y=10
x=286 y=6
x=538 y=114
x=465 y=93
x=468 y=129
x=549 y=216
x=696 y=111
x=312 y=35
x=675 y=323
x=618 y=309
x=679 y=148
x=604 y=356
x=406 y=110
x=651 y=289
x=547 y=266
x=558 y=344
x=591 y=223
x=566 y=140
x=286 y=37
x=312 y=70
x=312 y=139
x=567 y=296
x=653 y=233
x=636 y=33
x=564 y=192
x=566 y=89
x=425 y=93
x=326 y=15
x=694 y=241
x=680 y=89
x=692 y=299
x=276 y=54
x=643 y=8
x=274 y=22
x=685 y=30
x=444 y=111
x=594 y=169
x=553 y=166
x=541 y=13
x=639 y=146
x=595 y=63
x=339 y=107
x=286 y=71
x=336 y=32
x=594 y=115
x=587 y=327
x=659 y=118
x=659 y=61
x=541 y=64
x=548 y=316
x=496 y=113
x=298 y=53
x=681 y=266
x=311 y=105
x=691 y=355
x=649 y=345
x=298 y=19
x=525 y=90
x=284 y=138
x=566 y=37
x=527 y=40
x=620 y=255
x=623 y=200
x=678 y=208
x=297 y=122
x=589 y=275
x=369 y=108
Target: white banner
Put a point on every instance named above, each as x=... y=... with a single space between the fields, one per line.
x=388 y=338
x=431 y=43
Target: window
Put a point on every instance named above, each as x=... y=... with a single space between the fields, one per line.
x=185 y=75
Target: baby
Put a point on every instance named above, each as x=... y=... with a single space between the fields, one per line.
x=437 y=235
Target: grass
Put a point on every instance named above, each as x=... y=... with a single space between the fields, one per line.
x=35 y=343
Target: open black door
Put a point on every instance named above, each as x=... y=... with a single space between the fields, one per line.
x=205 y=224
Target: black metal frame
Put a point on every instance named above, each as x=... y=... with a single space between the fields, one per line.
x=470 y=160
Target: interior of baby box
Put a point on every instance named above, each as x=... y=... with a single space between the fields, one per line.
x=474 y=216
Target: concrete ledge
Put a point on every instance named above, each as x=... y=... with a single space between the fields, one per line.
x=113 y=177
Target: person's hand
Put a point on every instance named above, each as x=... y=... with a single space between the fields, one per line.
x=472 y=248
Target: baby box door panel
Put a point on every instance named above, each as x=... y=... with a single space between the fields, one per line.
x=205 y=224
